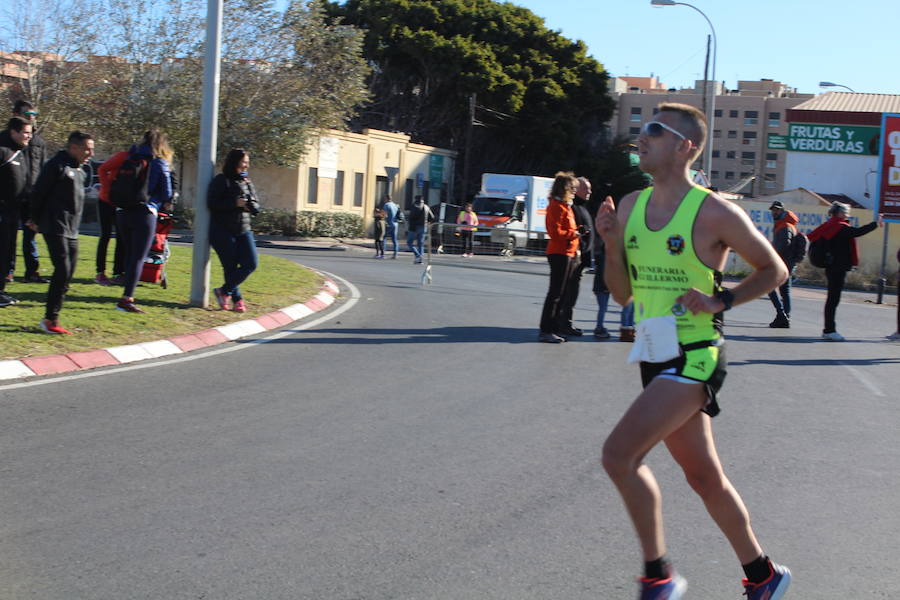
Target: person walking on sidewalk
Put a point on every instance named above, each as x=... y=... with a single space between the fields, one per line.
x=843 y=256
x=420 y=216
x=392 y=216
x=666 y=248
x=468 y=220
x=783 y=233
x=57 y=201
x=13 y=178
x=378 y=231
x=232 y=200
x=562 y=252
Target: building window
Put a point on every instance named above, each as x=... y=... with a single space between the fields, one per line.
x=732 y=134
x=714 y=174
x=771 y=160
x=717 y=133
x=634 y=130
x=715 y=154
x=339 y=189
x=718 y=113
x=636 y=114
x=748 y=158
x=733 y=114
x=359 y=182
x=751 y=117
x=770 y=180
x=312 y=189
x=729 y=154
x=729 y=174
x=749 y=138
x=745 y=174
x=774 y=119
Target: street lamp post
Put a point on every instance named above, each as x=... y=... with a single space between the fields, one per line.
x=830 y=84
x=711 y=110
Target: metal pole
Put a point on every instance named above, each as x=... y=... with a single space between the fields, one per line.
x=206 y=156
x=882 y=281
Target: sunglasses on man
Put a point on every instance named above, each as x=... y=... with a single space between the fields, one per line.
x=30 y=113
x=655 y=129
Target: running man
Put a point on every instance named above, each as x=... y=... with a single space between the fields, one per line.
x=665 y=248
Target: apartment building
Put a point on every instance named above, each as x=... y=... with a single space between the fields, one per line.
x=744 y=118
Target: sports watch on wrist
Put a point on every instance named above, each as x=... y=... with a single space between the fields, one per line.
x=726 y=296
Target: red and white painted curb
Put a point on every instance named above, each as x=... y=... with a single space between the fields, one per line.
x=75 y=361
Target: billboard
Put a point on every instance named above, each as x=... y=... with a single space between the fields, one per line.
x=830 y=139
x=889 y=168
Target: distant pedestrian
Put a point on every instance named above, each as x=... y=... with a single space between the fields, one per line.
x=57 y=202
x=844 y=255
x=35 y=156
x=379 y=231
x=896 y=334
x=392 y=216
x=106 y=215
x=467 y=221
x=783 y=233
x=13 y=179
x=420 y=216
x=232 y=201
x=585 y=225
x=137 y=225
x=562 y=250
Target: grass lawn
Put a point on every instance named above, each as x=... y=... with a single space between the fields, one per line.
x=89 y=310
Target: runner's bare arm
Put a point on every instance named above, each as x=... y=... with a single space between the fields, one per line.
x=727 y=226
x=611 y=227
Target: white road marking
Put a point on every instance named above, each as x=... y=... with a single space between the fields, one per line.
x=354 y=298
x=863 y=379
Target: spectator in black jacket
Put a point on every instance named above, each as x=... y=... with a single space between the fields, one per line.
x=584 y=222
x=232 y=200
x=841 y=238
x=57 y=201
x=420 y=216
x=35 y=157
x=13 y=146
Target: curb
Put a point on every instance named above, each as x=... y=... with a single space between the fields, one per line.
x=55 y=364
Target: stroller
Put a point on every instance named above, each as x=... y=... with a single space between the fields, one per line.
x=154 y=270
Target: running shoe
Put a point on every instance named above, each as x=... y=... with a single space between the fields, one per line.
x=34 y=278
x=833 y=336
x=894 y=336
x=239 y=306
x=48 y=326
x=601 y=333
x=126 y=306
x=9 y=278
x=102 y=279
x=221 y=298
x=772 y=588
x=550 y=338
x=7 y=300
x=670 y=588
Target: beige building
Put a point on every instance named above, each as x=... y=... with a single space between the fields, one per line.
x=351 y=172
x=744 y=118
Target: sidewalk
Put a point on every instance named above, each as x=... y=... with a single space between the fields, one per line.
x=76 y=361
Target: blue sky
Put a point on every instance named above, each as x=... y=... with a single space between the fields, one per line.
x=797 y=42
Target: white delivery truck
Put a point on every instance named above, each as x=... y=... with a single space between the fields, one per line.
x=514 y=207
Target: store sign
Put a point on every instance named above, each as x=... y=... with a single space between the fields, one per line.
x=329 y=148
x=889 y=168
x=831 y=139
x=436 y=170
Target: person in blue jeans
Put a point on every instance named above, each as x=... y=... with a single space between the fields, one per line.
x=392 y=216
x=136 y=226
x=232 y=200
x=420 y=216
x=601 y=292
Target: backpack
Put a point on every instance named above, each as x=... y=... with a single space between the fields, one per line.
x=129 y=186
x=799 y=246
x=820 y=253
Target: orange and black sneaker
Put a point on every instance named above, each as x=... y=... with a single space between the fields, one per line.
x=48 y=326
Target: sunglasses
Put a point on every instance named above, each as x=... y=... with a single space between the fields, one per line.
x=30 y=113
x=655 y=129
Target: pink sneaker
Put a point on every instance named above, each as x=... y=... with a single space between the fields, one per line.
x=48 y=326
x=102 y=279
x=221 y=298
x=239 y=306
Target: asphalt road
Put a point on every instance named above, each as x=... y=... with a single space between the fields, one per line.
x=417 y=443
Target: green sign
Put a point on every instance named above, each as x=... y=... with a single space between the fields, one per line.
x=435 y=170
x=831 y=139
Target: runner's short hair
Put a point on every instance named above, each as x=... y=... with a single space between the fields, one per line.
x=692 y=121
x=78 y=138
x=17 y=124
x=21 y=105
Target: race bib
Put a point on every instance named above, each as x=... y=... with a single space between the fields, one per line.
x=655 y=340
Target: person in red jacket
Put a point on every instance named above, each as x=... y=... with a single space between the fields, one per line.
x=561 y=252
x=106 y=212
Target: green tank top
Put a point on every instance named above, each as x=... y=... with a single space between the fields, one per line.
x=662 y=265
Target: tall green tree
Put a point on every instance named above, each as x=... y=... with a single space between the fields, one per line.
x=541 y=100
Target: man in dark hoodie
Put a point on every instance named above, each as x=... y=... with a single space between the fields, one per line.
x=783 y=231
x=584 y=222
x=57 y=201
x=13 y=145
x=35 y=156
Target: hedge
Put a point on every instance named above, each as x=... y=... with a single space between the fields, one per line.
x=305 y=223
